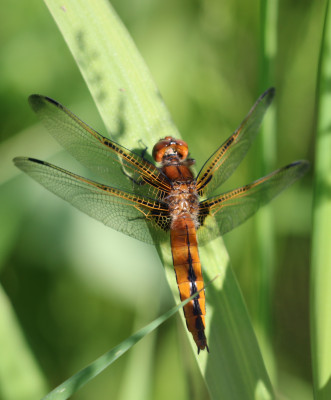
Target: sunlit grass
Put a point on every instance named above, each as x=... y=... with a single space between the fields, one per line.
x=321 y=253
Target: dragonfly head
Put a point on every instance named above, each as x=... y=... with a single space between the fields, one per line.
x=170 y=146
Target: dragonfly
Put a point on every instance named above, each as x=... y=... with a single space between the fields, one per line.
x=152 y=201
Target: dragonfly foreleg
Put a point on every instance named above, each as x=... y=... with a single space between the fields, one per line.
x=144 y=150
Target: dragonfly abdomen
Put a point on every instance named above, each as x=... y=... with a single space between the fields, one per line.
x=189 y=276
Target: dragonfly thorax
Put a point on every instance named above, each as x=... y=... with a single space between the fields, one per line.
x=183 y=202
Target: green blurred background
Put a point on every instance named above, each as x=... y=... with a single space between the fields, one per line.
x=77 y=288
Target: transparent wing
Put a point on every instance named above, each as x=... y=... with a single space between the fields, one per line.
x=225 y=160
x=116 y=165
x=137 y=216
x=221 y=214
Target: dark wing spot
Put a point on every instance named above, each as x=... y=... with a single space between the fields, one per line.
x=203 y=214
x=205 y=183
x=161 y=219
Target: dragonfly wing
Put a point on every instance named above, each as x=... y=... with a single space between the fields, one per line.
x=221 y=214
x=225 y=160
x=136 y=216
x=107 y=159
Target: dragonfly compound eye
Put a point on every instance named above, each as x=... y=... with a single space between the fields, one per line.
x=170 y=145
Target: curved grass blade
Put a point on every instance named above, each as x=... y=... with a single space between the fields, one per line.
x=75 y=382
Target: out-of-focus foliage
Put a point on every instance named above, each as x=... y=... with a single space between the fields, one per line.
x=78 y=288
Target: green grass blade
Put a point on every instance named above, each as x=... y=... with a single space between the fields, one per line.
x=321 y=250
x=132 y=109
x=265 y=262
x=119 y=81
x=75 y=382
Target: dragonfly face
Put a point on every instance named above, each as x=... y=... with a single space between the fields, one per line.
x=151 y=203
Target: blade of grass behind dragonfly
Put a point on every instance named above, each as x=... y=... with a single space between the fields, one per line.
x=131 y=106
x=75 y=382
x=321 y=250
x=264 y=263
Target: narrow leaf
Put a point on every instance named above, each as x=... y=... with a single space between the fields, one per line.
x=321 y=250
x=71 y=385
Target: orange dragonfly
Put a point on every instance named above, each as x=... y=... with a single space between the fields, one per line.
x=148 y=202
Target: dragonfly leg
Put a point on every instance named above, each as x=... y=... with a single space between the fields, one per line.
x=144 y=150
